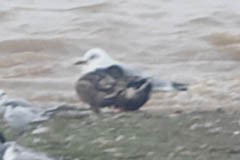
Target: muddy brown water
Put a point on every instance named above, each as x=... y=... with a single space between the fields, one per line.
x=197 y=42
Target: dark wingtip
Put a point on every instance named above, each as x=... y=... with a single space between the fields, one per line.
x=180 y=86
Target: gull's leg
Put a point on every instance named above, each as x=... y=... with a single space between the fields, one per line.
x=97 y=113
x=118 y=110
x=95 y=109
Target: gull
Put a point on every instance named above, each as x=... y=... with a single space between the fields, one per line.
x=10 y=150
x=6 y=101
x=105 y=82
x=20 y=114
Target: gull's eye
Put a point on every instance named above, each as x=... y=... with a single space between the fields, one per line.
x=93 y=56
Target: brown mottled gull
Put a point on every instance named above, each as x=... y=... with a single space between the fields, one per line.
x=105 y=82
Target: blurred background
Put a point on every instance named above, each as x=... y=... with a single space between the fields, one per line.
x=195 y=42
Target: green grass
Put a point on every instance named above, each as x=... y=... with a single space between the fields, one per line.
x=141 y=136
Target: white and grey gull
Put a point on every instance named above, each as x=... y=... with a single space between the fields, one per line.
x=105 y=82
x=10 y=150
x=19 y=114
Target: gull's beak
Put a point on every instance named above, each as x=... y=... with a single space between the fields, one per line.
x=80 y=62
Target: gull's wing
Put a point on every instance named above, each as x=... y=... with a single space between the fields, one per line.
x=100 y=88
x=158 y=85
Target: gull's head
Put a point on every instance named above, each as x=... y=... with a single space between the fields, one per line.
x=95 y=58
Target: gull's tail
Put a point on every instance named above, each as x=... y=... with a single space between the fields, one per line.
x=159 y=85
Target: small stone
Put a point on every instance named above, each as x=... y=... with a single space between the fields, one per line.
x=40 y=130
x=195 y=126
x=173 y=115
x=110 y=150
x=118 y=154
x=37 y=140
x=179 y=148
x=69 y=138
x=150 y=153
x=215 y=130
x=236 y=132
x=203 y=146
x=119 y=138
x=101 y=140
x=132 y=138
x=208 y=124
